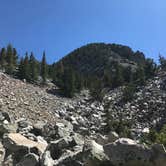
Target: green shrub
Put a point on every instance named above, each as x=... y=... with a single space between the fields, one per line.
x=156 y=137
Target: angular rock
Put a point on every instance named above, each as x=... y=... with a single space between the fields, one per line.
x=4 y=116
x=127 y=152
x=29 y=160
x=78 y=139
x=70 y=158
x=8 y=128
x=46 y=159
x=64 y=129
x=22 y=123
x=97 y=151
x=38 y=128
x=2 y=153
x=15 y=142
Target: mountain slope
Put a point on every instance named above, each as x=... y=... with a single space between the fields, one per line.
x=95 y=58
x=71 y=131
x=147 y=107
x=24 y=100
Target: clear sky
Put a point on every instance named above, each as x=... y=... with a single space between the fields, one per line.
x=59 y=26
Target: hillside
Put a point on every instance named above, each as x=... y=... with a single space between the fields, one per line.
x=99 y=65
x=96 y=57
x=73 y=130
x=39 y=126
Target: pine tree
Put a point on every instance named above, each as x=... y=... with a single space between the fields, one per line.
x=15 y=57
x=78 y=82
x=26 y=68
x=61 y=67
x=9 y=59
x=68 y=82
x=21 y=72
x=3 y=58
x=33 y=68
x=140 y=76
x=96 y=90
x=44 y=68
x=162 y=62
x=150 y=68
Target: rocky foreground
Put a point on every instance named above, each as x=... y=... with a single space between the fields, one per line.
x=24 y=144
x=41 y=129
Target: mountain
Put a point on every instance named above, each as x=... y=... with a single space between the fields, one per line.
x=100 y=65
x=93 y=59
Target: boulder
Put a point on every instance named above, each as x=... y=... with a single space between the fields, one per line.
x=78 y=139
x=46 y=130
x=15 y=142
x=29 y=160
x=159 y=155
x=6 y=127
x=8 y=161
x=97 y=151
x=56 y=147
x=23 y=123
x=64 y=129
x=94 y=154
x=5 y=116
x=54 y=156
x=128 y=152
x=2 y=153
x=38 y=128
x=70 y=158
x=46 y=159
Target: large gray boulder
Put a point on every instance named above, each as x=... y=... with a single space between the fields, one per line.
x=159 y=155
x=128 y=152
x=65 y=151
x=29 y=160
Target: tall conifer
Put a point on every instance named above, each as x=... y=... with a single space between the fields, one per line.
x=44 y=68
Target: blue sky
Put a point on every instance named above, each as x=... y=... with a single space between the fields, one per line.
x=59 y=26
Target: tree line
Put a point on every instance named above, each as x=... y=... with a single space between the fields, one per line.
x=69 y=80
x=25 y=67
